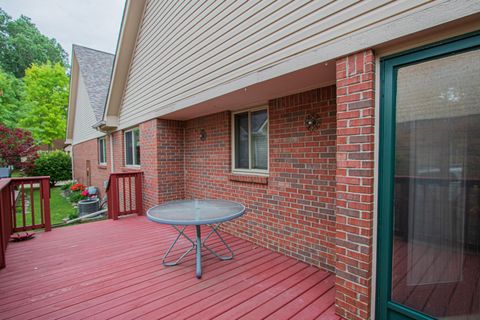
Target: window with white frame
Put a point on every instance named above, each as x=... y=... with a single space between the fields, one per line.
x=250 y=141
x=132 y=147
x=102 y=151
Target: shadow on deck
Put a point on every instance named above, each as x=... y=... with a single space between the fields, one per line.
x=112 y=269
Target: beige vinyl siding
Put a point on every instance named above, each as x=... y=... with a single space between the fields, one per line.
x=84 y=116
x=187 y=50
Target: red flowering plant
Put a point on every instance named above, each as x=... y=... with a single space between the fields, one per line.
x=17 y=149
x=78 y=187
x=78 y=192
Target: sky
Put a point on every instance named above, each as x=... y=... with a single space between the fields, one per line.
x=91 y=23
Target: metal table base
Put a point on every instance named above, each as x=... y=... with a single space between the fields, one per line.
x=197 y=244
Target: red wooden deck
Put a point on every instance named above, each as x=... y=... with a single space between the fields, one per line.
x=449 y=299
x=112 y=269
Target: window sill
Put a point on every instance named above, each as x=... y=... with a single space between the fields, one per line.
x=102 y=166
x=258 y=179
x=131 y=168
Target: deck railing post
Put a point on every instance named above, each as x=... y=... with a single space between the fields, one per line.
x=3 y=227
x=7 y=218
x=6 y=227
x=139 y=193
x=115 y=198
x=109 y=198
x=45 y=195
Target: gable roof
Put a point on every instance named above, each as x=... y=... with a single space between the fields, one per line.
x=96 y=69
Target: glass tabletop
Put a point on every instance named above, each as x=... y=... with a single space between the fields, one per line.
x=195 y=212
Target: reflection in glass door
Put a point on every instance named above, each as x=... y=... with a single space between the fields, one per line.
x=431 y=214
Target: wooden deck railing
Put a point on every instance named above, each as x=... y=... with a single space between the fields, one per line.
x=24 y=205
x=124 y=192
x=5 y=218
x=435 y=197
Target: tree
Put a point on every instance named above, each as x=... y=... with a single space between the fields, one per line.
x=46 y=97
x=22 y=44
x=11 y=93
x=17 y=148
x=56 y=164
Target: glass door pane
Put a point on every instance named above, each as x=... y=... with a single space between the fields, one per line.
x=436 y=244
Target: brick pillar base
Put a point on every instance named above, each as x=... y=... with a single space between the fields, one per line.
x=355 y=174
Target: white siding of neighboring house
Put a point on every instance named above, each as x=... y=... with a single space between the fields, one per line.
x=84 y=116
x=187 y=50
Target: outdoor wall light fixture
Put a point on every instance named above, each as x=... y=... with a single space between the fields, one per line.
x=312 y=122
x=203 y=135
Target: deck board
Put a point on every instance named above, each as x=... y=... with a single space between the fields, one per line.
x=112 y=269
x=447 y=299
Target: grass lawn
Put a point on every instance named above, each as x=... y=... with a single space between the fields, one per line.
x=16 y=174
x=60 y=207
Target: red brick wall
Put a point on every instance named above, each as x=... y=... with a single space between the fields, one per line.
x=118 y=152
x=161 y=160
x=88 y=150
x=171 y=159
x=294 y=212
x=355 y=169
x=149 y=162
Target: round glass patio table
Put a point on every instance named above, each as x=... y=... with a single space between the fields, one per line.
x=196 y=213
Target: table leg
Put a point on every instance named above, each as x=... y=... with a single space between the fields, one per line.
x=214 y=230
x=181 y=232
x=199 y=252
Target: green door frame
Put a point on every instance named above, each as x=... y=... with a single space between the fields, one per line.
x=386 y=309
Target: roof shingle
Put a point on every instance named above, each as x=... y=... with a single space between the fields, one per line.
x=96 y=69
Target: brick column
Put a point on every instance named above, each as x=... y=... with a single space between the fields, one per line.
x=149 y=138
x=355 y=163
x=170 y=157
x=161 y=160
x=118 y=153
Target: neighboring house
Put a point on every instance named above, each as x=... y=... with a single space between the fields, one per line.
x=90 y=79
x=349 y=129
x=58 y=144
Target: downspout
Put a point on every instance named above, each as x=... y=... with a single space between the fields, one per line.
x=112 y=164
x=73 y=166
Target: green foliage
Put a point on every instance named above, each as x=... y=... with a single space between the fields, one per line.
x=22 y=44
x=75 y=196
x=56 y=164
x=39 y=101
x=66 y=186
x=11 y=94
x=46 y=95
x=73 y=215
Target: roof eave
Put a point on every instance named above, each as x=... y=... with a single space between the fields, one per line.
x=132 y=17
x=111 y=124
x=72 y=97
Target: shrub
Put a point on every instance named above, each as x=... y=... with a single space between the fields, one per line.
x=56 y=164
x=17 y=148
x=72 y=216
x=66 y=186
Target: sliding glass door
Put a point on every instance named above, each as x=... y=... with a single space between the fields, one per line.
x=429 y=186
